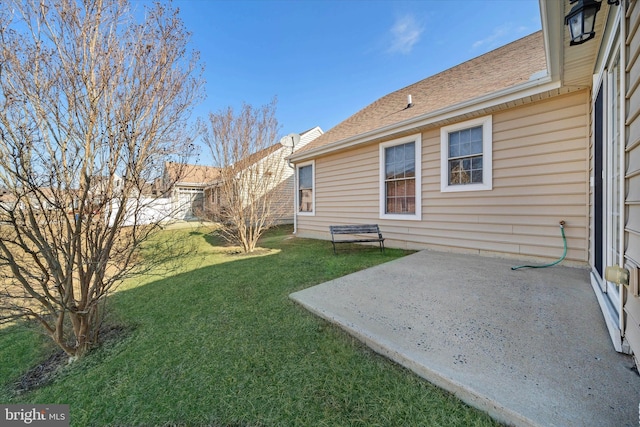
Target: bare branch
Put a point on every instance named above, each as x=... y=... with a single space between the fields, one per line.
x=91 y=106
x=250 y=195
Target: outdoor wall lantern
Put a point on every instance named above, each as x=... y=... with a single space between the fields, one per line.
x=582 y=18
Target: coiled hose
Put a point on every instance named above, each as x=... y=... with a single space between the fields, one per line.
x=564 y=254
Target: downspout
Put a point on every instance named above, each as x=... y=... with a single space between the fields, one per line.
x=295 y=195
x=290 y=141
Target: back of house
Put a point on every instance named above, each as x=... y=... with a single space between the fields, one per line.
x=490 y=156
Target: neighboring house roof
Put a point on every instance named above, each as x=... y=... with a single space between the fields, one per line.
x=305 y=137
x=256 y=157
x=194 y=175
x=506 y=67
x=6 y=196
x=309 y=131
x=308 y=136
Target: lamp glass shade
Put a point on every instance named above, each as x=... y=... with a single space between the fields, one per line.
x=581 y=20
x=575 y=26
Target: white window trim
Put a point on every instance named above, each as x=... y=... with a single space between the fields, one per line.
x=487 y=151
x=417 y=216
x=313 y=187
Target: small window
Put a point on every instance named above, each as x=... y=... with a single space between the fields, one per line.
x=466 y=156
x=400 y=194
x=306 y=197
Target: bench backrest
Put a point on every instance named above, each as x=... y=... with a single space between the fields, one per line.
x=354 y=229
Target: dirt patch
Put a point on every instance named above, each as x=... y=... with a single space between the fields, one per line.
x=45 y=372
x=41 y=374
x=256 y=252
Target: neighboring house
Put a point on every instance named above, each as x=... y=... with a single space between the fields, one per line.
x=7 y=204
x=102 y=184
x=489 y=156
x=36 y=200
x=184 y=184
x=7 y=200
x=280 y=189
x=112 y=187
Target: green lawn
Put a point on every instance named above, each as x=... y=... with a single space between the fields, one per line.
x=218 y=343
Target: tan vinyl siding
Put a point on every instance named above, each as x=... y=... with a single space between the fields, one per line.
x=353 y=197
x=539 y=178
x=632 y=174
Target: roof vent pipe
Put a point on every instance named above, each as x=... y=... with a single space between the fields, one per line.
x=409 y=101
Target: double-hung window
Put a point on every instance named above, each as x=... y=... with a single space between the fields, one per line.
x=466 y=161
x=400 y=189
x=306 y=196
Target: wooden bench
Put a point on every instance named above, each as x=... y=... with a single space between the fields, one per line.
x=357 y=232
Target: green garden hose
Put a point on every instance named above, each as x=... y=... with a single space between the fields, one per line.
x=564 y=254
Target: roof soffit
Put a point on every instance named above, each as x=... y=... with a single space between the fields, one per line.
x=573 y=65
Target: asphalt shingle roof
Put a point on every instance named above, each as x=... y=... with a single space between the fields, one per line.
x=191 y=174
x=500 y=69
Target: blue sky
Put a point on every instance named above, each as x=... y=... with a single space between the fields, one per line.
x=326 y=60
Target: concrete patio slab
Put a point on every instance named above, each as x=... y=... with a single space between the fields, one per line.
x=530 y=347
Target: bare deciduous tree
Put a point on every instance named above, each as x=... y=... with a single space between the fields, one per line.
x=91 y=104
x=252 y=193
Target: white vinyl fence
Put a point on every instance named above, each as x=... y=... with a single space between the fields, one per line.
x=146 y=210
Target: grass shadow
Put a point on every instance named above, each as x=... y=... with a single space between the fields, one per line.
x=223 y=345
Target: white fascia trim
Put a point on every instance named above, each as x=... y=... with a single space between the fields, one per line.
x=190 y=184
x=553 y=28
x=524 y=90
x=610 y=317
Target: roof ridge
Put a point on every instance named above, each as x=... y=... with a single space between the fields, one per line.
x=501 y=68
x=483 y=56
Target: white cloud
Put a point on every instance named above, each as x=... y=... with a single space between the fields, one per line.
x=498 y=36
x=405 y=33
